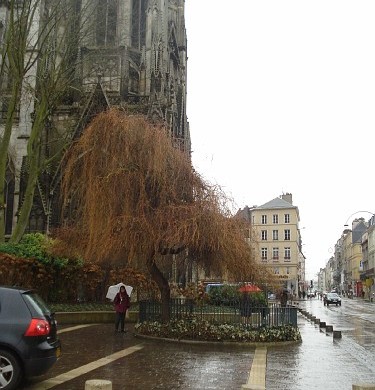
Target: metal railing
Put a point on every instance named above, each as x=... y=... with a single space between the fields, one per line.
x=272 y=315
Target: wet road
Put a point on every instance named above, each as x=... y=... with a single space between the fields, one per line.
x=319 y=362
x=322 y=362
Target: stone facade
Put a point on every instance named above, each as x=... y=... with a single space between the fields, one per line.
x=277 y=242
x=133 y=57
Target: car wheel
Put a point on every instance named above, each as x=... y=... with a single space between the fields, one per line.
x=10 y=371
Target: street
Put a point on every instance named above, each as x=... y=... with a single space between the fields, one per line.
x=319 y=362
x=322 y=362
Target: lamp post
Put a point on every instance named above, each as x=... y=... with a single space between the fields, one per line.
x=357 y=212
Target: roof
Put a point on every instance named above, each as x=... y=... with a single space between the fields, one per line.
x=276 y=203
x=358 y=231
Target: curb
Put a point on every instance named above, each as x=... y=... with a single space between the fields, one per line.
x=336 y=334
x=252 y=344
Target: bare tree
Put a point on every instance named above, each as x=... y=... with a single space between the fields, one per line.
x=133 y=197
x=38 y=62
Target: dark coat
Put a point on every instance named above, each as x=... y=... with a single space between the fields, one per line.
x=122 y=302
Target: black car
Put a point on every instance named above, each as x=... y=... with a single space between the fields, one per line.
x=332 y=298
x=29 y=345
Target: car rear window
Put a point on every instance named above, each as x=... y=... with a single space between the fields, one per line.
x=37 y=303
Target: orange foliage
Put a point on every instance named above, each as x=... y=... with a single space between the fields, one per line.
x=129 y=193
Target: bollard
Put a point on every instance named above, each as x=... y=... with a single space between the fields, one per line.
x=322 y=324
x=329 y=328
x=98 y=384
x=363 y=386
x=337 y=334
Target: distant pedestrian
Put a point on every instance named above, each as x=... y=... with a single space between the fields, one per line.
x=245 y=307
x=122 y=304
x=284 y=298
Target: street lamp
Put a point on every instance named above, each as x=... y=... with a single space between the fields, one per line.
x=357 y=212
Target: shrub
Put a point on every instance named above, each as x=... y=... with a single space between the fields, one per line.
x=227 y=294
x=35 y=246
x=223 y=294
x=32 y=264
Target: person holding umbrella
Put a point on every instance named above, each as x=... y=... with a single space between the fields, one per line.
x=122 y=304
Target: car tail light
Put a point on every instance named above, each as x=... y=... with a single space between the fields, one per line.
x=38 y=327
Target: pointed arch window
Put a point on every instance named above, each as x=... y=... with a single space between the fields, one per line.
x=139 y=14
x=106 y=30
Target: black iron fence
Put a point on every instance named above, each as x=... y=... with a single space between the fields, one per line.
x=272 y=315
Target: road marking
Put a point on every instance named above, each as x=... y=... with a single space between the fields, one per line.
x=257 y=375
x=67 y=376
x=74 y=328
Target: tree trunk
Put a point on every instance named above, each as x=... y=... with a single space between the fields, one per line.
x=163 y=285
x=4 y=146
x=33 y=149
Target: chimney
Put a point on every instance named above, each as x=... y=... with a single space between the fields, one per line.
x=287 y=197
x=356 y=221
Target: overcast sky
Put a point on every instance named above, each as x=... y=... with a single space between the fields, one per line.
x=281 y=98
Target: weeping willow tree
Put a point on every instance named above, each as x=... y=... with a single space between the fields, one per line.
x=131 y=195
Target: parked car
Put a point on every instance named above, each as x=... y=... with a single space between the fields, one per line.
x=29 y=345
x=332 y=298
x=271 y=296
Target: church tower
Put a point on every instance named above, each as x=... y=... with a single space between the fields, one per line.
x=138 y=52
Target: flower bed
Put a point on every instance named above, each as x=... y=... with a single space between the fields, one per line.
x=194 y=329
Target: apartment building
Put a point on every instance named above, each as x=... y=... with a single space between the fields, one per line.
x=276 y=232
x=351 y=269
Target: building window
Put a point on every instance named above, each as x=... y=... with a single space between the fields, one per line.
x=276 y=271
x=275 y=218
x=264 y=219
x=287 y=253
x=264 y=235
x=275 y=253
x=139 y=15
x=286 y=218
x=106 y=22
x=275 y=235
x=287 y=234
x=264 y=253
x=287 y=270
